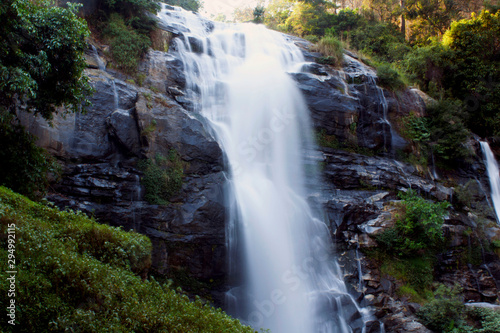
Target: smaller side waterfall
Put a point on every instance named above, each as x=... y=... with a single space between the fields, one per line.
x=100 y=63
x=493 y=175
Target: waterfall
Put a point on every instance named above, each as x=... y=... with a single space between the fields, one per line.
x=493 y=175
x=100 y=63
x=283 y=275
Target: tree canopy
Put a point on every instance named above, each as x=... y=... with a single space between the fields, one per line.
x=41 y=56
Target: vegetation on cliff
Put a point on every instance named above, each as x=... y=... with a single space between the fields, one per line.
x=74 y=274
x=41 y=69
x=449 y=49
x=41 y=57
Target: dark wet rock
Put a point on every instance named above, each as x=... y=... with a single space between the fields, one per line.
x=100 y=150
x=157 y=71
x=165 y=125
x=353 y=171
x=123 y=129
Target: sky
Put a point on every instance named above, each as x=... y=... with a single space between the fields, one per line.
x=227 y=7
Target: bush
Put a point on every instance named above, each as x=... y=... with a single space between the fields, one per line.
x=76 y=275
x=25 y=167
x=127 y=45
x=382 y=40
x=162 y=177
x=41 y=57
x=427 y=66
x=418 y=226
x=332 y=49
x=311 y=38
x=448 y=131
x=441 y=133
x=193 y=5
x=445 y=312
x=389 y=77
x=325 y=140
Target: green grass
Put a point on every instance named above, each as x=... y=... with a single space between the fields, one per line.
x=76 y=275
x=332 y=50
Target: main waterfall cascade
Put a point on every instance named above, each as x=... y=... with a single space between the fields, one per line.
x=281 y=267
x=493 y=175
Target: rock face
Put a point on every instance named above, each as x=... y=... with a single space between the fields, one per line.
x=360 y=201
x=99 y=151
x=348 y=103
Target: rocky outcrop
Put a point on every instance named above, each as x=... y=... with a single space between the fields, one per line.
x=361 y=203
x=347 y=102
x=99 y=151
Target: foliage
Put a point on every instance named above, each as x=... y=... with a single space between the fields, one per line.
x=332 y=49
x=379 y=39
x=445 y=311
x=325 y=140
x=441 y=133
x=427 y=67
x=488 y=320
x=25 y=167
x=311 y=38
x=389 y=77
x=162 y=177
x=76 y=275
x=128 y=28
x=416 y=128
x=127 y=45
x=278 y=12
x=418 y=226
x=475 y=48
x=308 y=18
x=41 y=56
x=192 y=5
x=258 y=14
x=448 y=131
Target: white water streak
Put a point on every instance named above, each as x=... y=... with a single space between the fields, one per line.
x=493 y=175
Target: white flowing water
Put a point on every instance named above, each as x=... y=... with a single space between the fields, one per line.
x=280 y=253
x=493 y=175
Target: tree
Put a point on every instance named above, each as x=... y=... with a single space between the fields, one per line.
x=310 y=17
x=41 y=57
x=258 y=14
x=431 y=18
x=41 y=66
x=277 y=12
x=475 y=44
x=244 y=14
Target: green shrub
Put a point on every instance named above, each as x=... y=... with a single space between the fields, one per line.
x=325 y=140
x=193 y=5
x=441 y=132
x=76 y=275
x=25 y=167
x=162 y=177
x=312 y=38
x=381 y=40
x=41 y=57
x=332 y=49
x=389 y=77
x=127 y=45
x=445 y=312
x=488 y=320
x=448 y=131
x=418 y=226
